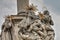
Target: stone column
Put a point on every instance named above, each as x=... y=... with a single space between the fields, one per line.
x=21 y=4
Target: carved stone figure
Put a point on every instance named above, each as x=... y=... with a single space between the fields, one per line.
x=48 y=18
x=28 y=26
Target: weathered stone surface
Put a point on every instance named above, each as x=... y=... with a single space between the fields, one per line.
x=21 y=5
x=27 y=28
x=26 y=25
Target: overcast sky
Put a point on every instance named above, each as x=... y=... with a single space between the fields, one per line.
x=8 y=7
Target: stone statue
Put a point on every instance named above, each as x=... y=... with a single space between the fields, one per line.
x=28 y=26
x=46 y=18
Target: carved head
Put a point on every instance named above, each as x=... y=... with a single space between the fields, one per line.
x=46 y=12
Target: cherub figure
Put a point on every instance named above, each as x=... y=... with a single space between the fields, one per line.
x=45 y=17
